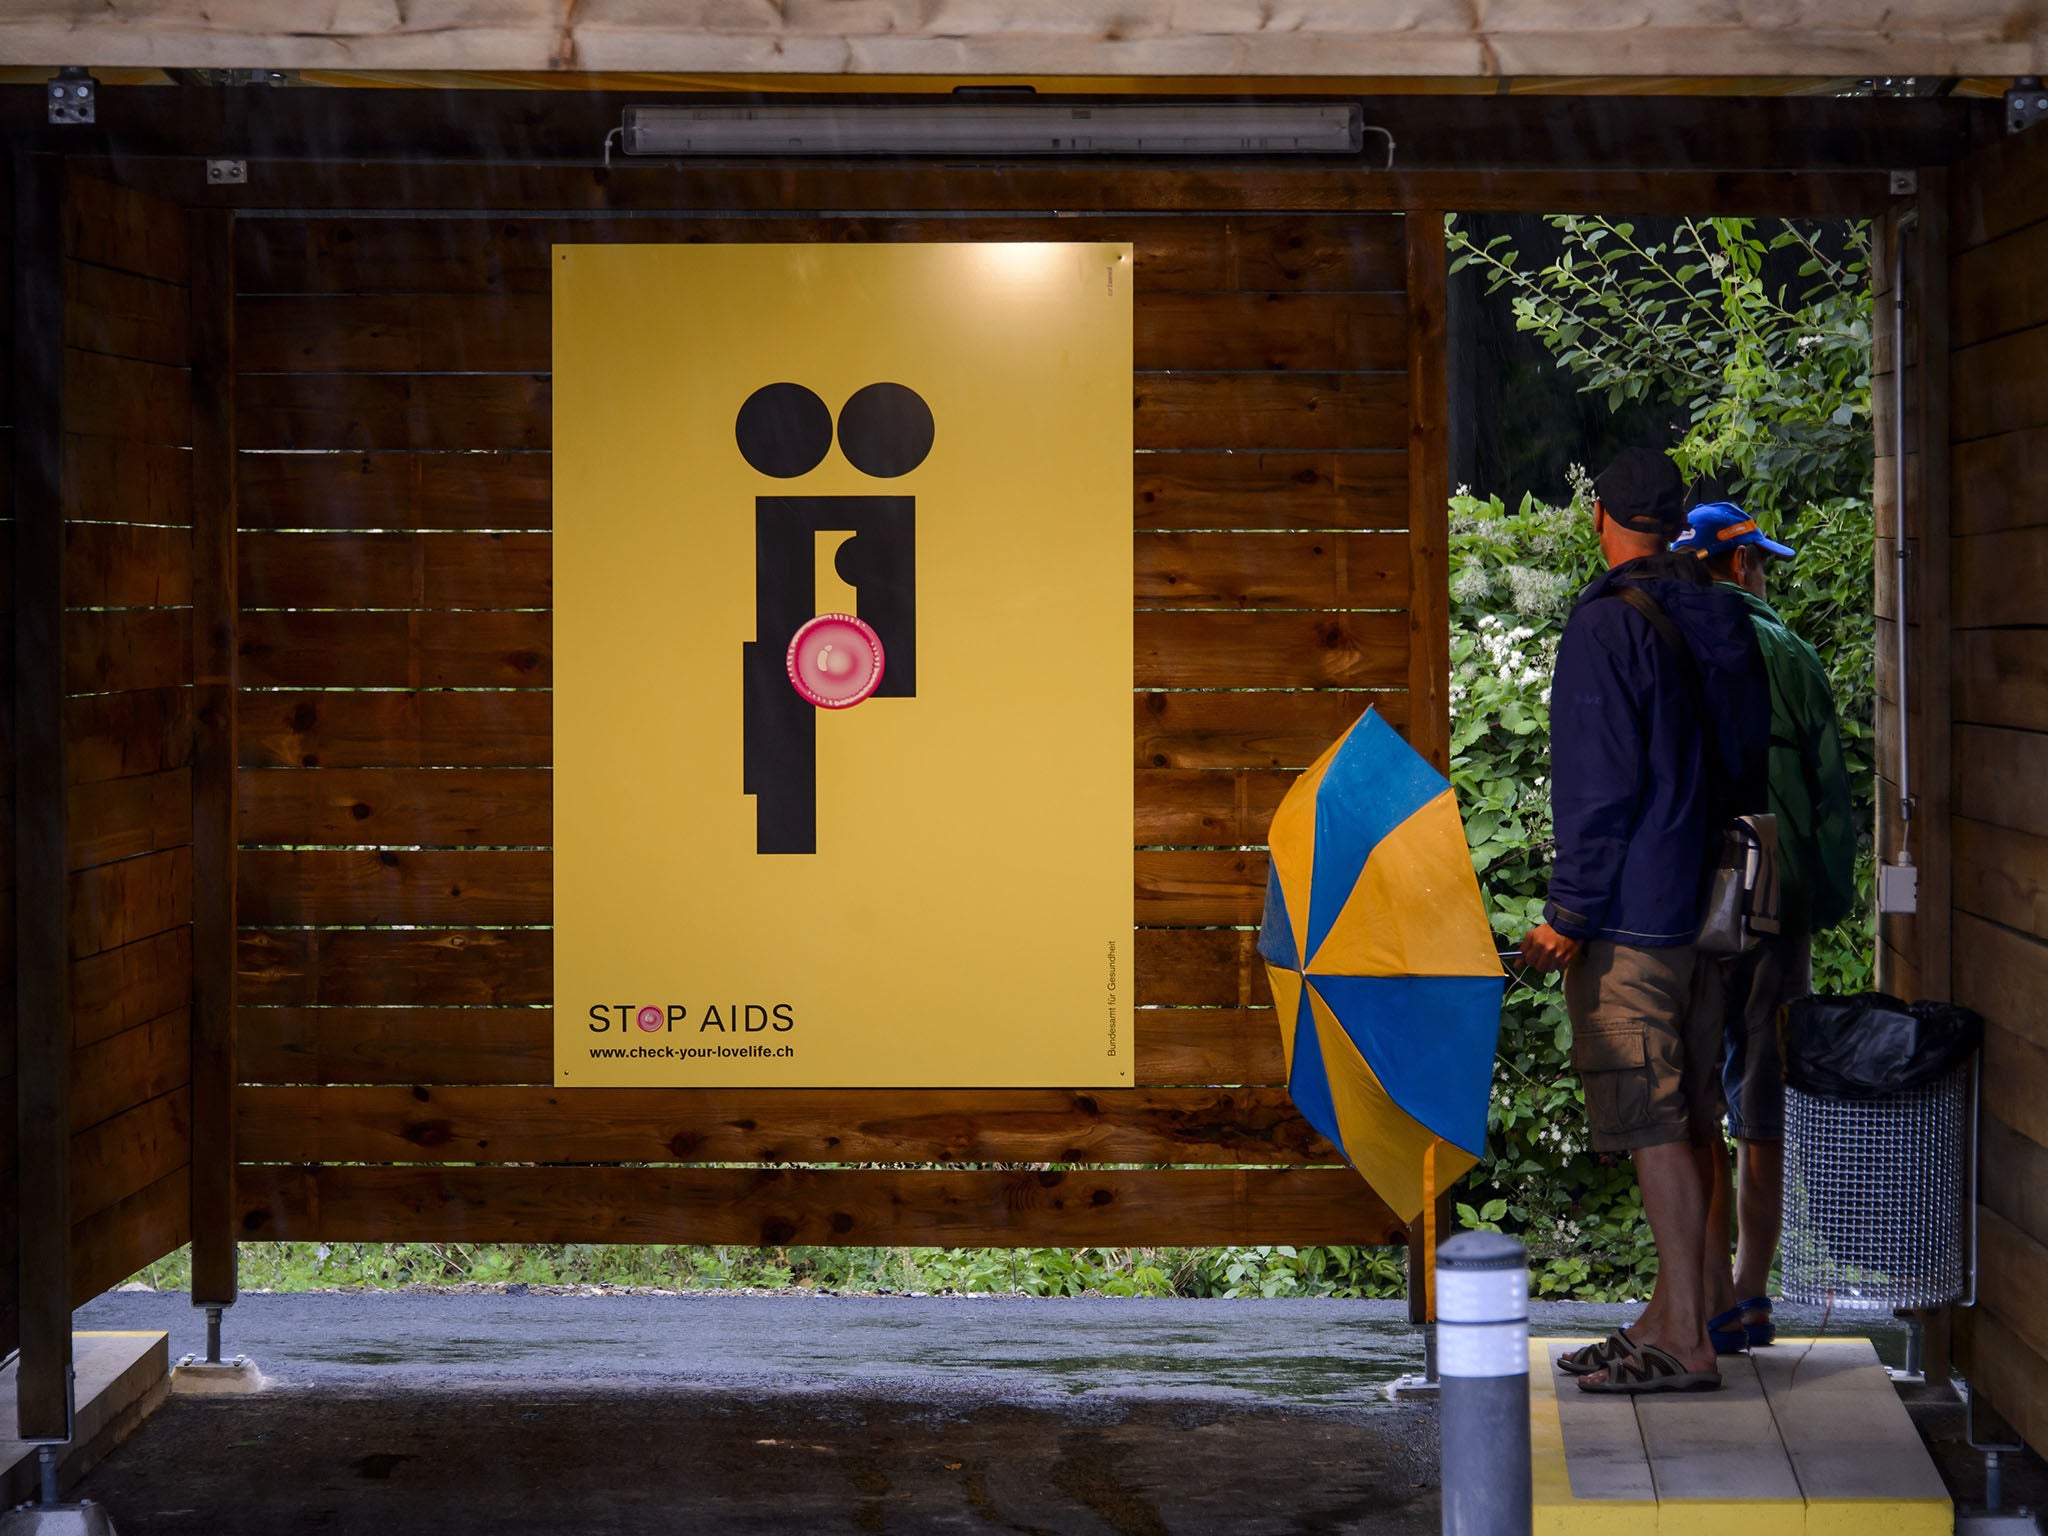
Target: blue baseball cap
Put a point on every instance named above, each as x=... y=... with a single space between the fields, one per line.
x=1716 y=527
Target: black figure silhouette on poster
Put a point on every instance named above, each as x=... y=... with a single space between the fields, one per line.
x=785 y=431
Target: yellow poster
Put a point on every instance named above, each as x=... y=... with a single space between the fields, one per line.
x=842 y=650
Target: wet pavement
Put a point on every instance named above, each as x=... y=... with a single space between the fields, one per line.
x=610 y=1412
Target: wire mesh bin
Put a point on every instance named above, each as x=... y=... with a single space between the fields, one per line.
x=1874 y=1197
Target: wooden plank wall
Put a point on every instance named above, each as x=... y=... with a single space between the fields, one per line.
x=393 y=1024
x=127 y=724
x=1998 y=387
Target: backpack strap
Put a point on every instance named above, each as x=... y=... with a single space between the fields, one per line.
x=1667 y=631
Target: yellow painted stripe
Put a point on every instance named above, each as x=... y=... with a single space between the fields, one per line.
x=1880 y=1517
x=1556 y=1512
x=1720 y=1517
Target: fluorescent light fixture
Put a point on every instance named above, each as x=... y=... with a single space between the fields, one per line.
x=1007 y=128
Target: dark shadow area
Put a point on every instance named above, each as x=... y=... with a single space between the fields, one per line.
x=608 y=1462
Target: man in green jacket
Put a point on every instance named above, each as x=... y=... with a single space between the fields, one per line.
x=1809 y=795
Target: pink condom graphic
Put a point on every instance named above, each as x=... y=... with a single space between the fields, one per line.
x=835 y=661
x=650 y=1018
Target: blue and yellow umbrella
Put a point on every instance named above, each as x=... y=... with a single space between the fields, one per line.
x=1384 y=973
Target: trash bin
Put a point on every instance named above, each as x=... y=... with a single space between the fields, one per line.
x=1877 y=1128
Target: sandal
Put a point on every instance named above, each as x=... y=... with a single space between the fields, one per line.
x=1727 y=1333
x=1765 y=1332
x=1649 y=1369
x=1597 y=1357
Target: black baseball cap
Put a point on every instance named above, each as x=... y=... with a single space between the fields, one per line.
x=1642 y=490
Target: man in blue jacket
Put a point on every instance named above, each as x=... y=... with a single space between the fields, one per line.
x=1641 y=783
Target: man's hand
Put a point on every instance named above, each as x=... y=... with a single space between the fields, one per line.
x=1545 y=949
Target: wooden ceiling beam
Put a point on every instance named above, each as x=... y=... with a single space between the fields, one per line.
x=1043 y=37
x=1611 y=133
x=710 y=190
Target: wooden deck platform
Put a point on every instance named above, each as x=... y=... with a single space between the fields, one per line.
x=121 y=1377
x=1806 y=1438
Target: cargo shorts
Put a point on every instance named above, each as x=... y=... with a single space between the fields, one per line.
x=1647 y=1033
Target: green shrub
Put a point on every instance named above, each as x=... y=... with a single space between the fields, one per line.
x=1774 y=394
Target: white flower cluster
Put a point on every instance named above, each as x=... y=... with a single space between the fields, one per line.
x=1471 y=585
x=1507 y=651
x=1560 y=1139
x=1537 y=592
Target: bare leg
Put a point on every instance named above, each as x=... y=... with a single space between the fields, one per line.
x=1716 y=1282
x=1717 y=1279
x=1760 y=1186
x=1675 y=1200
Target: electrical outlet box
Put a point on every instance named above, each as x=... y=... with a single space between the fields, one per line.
x=1898 y=889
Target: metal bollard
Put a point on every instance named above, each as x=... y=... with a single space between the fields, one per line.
x=1482 y=1307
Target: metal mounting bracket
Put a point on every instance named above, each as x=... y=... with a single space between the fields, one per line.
x=2025 y=104
x=73 y=97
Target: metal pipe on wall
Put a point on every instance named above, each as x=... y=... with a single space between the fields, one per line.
x=1898 y=882
x=1908 y=221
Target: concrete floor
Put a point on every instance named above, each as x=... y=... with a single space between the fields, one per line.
x=609 y=1413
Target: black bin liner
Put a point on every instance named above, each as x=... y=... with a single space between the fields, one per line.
x=1872 y=1045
